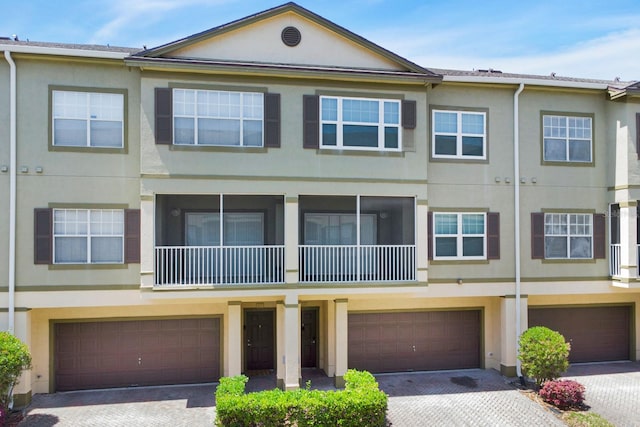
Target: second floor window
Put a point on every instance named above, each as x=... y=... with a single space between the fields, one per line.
x=220 y=118
x=459 y=134
x=88 y=119
x=459 y=235
x=567 y=138
x=360 y=124
x=88 y=236
x=568 y=235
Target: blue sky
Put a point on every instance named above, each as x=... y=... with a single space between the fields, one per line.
x=592 y=39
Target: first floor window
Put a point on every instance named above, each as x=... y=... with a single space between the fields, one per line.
x=88 y=119
x=567 y=138
x=88 y=236
x=459 y=235
x=568 y=235
x=459 y=134
x=221 y=118
x=360 y=123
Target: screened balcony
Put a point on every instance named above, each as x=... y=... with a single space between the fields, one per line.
x=195 y=247
x=615 y=240
x=356 y=239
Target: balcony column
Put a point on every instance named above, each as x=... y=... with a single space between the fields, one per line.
x=628 y=244
x=509 y=343
x=422 y=243
x=291 y=318
x=233 y=356
x=342 y=340
x=147 y=244
x=291 y=239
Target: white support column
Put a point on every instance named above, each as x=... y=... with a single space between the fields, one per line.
x=233 y=356
x=292 y=372
x=508 y=343
x=628 y=243
x=342 y=340
x=147 y=241
x=291 y=239
x=422 y=240
x=280 y=340
x=330 y=368
x=22 y=391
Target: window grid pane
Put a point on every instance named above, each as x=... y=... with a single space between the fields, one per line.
x=360 y=124
x=458 y=134
x=567 y=138
x=209 y=117
x=568 y=235
x=459 y=236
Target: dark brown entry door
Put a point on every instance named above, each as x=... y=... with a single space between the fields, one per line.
x=309 y=337
x=90 y=355
x=414 y=341
x=259 y=339
x=596 y=334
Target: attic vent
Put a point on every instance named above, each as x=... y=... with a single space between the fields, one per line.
x=291 y=36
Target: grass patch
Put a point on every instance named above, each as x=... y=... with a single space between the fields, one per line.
x=585 y=419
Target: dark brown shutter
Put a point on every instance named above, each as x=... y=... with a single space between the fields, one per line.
x=131 y=236
x=537 y=235
x=493 y=235
x=430 y=235
x=599 y=242
x=638 y=134
x=272 y=120
x=43 y=235
x=164 y=115
x=409 y=114
x=311 y=121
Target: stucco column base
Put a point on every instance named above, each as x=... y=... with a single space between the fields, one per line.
x=22 y=390
x=342 y=340
x=292 y=373
x=234 y=339
x=508 y=336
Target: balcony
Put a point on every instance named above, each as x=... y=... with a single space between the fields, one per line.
x=352 y=263
x=209 y=240
x=356 y=239
x=215 y=265
x=615 y=257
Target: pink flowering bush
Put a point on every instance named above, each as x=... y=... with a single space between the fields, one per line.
x=563 y=394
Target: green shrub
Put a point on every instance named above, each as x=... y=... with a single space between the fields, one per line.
x=544 y=354
x=14 y=358
x=360 y=403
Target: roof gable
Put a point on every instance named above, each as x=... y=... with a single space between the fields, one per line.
x=258 y=39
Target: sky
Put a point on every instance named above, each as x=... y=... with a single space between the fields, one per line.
x=588 y=38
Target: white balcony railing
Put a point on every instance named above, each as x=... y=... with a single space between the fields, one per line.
x=614 y=260
x=357 y=263
x=219 y=265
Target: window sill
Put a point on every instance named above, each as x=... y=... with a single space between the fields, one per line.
x=343 y=152
x=88 y=266
x=85 y=150
x=569 y=164
x=218 y=148
x=471 y=160
x=458 y=261
x=569 y=261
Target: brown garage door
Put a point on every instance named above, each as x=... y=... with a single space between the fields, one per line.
x=141 y=352
x=414 y=341
x=596 y=334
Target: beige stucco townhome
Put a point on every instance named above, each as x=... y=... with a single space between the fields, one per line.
x=279 y=193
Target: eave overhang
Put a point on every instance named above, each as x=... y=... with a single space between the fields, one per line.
x=281 y=70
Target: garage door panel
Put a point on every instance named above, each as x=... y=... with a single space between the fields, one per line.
x=405 y=341
x=144 y=352
x=596 y=334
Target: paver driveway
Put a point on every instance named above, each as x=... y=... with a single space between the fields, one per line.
x=453 y=398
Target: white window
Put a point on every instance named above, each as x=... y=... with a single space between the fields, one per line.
x=567 y=138
x=87 y=119
x=568 y=235
x=210 y=117
x=459 y=236
x=360 y=124
x=88 y=236
x=459 y=134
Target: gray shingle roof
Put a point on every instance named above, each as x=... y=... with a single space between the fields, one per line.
x=95 y=47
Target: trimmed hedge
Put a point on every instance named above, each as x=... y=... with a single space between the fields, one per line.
x=361 y=403
x=544 y=354
x=564 y=394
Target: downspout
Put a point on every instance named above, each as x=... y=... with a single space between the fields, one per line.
x=516 y=214
x=12 y=191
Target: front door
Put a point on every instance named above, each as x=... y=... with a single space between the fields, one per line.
x=309 y=337
x=259 y=339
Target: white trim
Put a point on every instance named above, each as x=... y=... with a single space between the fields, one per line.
x=459 y=236
x=568 y=235
x=459 y=135
x=566 y=139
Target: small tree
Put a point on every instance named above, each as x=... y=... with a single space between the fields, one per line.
x=14 y=358
x=544 y=354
